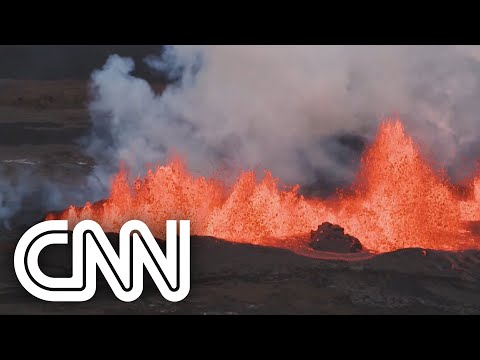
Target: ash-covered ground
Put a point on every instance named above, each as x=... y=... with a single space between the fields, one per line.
x=40 y=121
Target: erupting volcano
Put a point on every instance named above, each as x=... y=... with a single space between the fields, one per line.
x=398 y=200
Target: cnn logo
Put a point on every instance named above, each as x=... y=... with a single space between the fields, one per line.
x=91 y=249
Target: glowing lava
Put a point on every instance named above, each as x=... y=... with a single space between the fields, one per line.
x=397 y=201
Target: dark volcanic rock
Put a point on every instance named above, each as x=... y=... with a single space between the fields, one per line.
x=332 y=238
x=236 y=278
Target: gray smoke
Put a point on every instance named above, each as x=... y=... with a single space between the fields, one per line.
x=26 y=195
x=278 y=107
x=299 y=111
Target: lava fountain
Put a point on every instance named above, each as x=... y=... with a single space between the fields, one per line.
x=398 y=200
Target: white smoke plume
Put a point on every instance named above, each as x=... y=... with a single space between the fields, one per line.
x=276 y=107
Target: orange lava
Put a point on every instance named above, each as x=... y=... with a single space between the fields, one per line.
x=397 y=201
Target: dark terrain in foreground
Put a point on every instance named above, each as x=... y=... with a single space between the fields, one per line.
x=229 y=278
x=39 y=122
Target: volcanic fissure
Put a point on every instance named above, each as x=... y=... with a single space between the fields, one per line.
x=398 y=200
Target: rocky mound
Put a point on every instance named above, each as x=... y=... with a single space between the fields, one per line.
x=332 y=238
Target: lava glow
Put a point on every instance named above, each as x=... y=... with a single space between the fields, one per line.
x=398 y=200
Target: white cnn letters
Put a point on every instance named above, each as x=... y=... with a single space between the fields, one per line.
x=91 y=248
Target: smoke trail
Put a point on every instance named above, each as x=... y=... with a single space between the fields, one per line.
x=278 y=107
x=300 y=111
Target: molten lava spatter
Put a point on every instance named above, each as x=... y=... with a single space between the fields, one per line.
x=397 y=201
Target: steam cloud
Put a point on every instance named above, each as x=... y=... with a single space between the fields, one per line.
x=276 y=107
x=279 y=107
